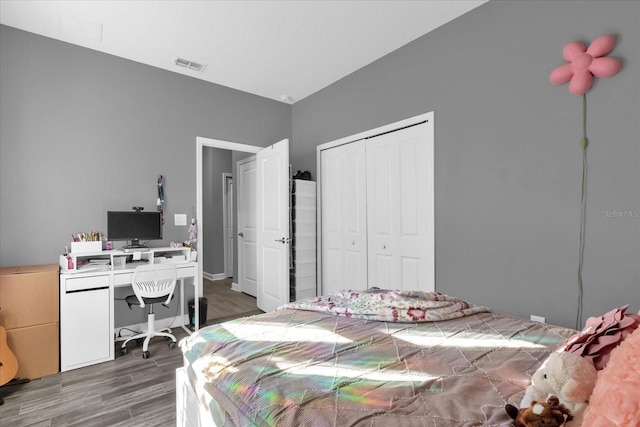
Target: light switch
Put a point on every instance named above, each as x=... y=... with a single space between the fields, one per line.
x=180 y=219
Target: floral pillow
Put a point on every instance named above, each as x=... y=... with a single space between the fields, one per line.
x=601 y=335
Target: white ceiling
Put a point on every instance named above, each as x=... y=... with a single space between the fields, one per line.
x=267 y=48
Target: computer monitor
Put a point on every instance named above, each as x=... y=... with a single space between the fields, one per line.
x=134 y=227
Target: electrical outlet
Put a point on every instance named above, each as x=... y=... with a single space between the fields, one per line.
x=538 y=318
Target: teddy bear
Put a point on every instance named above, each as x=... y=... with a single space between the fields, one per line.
x=549 y=414
x=569 y=377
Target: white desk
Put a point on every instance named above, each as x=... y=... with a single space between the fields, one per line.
x=87 y=311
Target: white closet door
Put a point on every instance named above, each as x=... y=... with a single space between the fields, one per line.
x=400 y=210
x=344 y=220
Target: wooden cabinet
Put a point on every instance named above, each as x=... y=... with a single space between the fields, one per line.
x=29 y=301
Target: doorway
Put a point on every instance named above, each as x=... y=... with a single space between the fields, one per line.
x=202 y=144
x=272 y=207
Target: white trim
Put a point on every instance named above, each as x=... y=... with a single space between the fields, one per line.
x=235 y=287
x=201 y=143
x=227 y=145
x=217 y=276
x=382 y=129
x=346 y=140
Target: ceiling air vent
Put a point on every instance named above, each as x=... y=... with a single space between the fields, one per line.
x=185 y=63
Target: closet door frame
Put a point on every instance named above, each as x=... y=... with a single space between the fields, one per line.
x=429 y=186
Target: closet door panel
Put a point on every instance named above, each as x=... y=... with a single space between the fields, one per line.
x=382 y=271
x=343 y=213
x=382 y=200
x=408 y=188
x=410 y=273
x=416 y=234
x=399 y=201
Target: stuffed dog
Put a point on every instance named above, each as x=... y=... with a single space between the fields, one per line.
x=540 y=414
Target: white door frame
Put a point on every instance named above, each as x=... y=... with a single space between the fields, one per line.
x=227 y=221
x=346 y=140
x=201 y=143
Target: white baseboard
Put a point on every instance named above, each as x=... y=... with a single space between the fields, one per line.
x=217 y=276
x=235 y=287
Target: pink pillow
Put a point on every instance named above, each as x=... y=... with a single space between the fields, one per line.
x=615 y=400
x=601 y=335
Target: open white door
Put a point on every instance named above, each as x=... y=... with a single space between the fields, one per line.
x=247 y=245
x=272 y=238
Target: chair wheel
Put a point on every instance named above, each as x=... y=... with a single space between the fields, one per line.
x=172 y=345
x=124 y=351
x=146 y=355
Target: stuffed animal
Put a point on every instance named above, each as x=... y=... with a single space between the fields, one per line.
x=540 y=414
x=569 y=377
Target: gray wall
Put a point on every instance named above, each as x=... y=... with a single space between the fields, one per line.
x=508 y=153
x=84 y=132
x=215 y=162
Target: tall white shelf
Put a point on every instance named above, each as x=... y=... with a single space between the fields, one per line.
x=303 y=244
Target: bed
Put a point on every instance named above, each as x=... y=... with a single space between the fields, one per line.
x=373 y=358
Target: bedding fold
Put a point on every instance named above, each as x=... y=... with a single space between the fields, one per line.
x=389 y=305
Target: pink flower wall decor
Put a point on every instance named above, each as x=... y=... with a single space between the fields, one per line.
x=583 y=63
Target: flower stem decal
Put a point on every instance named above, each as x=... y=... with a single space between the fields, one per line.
x=582 y=64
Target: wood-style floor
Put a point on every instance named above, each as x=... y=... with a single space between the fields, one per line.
x=224 y=303
x=128 y=391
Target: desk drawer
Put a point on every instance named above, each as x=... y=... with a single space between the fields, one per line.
x=187 y=271
x=83 y=283
x=122 y=279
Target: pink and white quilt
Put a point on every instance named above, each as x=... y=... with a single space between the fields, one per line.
x=389 y=305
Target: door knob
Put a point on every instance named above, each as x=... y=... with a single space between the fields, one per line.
x=283 y=240
x=241 y=234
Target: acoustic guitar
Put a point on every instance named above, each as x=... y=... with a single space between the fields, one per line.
x=8 y=361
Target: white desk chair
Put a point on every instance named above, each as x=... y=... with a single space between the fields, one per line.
x=152 y=284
